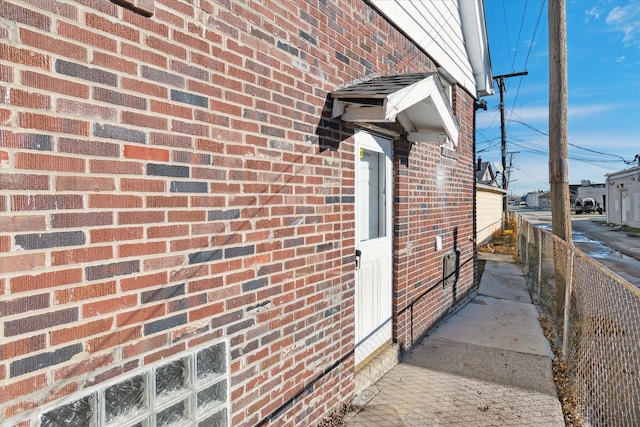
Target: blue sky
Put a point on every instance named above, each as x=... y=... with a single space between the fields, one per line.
x=603 y=50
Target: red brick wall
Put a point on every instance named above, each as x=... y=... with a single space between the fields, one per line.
x=435 y=190
x=172 y=180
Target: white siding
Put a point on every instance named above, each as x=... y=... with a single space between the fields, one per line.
x=532 y=199
x=596 y=193
x=488 y=212
x=436 y=27
x=623 y=197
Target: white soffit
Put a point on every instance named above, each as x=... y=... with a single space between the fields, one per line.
x=415 y=101
x=452 y=32
x=474 y=29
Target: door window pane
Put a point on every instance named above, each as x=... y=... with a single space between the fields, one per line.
x=373 y=194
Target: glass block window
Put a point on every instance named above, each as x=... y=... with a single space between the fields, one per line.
x=192 y=390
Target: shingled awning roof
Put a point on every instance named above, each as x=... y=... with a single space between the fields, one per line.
x=416 y=101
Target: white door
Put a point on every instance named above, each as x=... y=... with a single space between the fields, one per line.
x=374 y=185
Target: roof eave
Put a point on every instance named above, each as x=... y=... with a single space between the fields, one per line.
x=474 y=28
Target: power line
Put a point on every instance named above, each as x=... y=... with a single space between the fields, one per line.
x=535 y=30
x=515 y=54
x=628 y=162
x=506 y=26
x=490 y=125
x=535 y=178
x=526 y=61
x=598 y=161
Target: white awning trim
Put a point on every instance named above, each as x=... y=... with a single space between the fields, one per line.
x=415 y=101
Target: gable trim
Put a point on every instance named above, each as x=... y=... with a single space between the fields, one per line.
x=415 y=101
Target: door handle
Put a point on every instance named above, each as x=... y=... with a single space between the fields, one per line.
x=358 y=255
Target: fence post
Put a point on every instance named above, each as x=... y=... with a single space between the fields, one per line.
x=567 y=306
x=539 y=284
x=518 y=223
x=526 y=248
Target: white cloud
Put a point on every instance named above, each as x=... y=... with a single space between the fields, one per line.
x=621 y=144
x=532 y=115
x=487 y=119
x=538 y=116
x=529 y=174
x=626 y=19
x=594 y=12
x=590 y=110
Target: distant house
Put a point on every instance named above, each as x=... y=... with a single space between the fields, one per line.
x=216 y=213
x=485 y=174
x=539 y=199
x=544 y=200
x=623 y=197
x=489 y=196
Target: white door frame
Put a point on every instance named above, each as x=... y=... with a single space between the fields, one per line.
x=374 y=269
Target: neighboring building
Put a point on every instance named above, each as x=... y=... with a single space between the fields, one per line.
x=217 y=212
x=588 y=190
x=544 y=200
x=539 y=199
x=623 y=197
x=593 y=191
x=489 y=197
x=488 y=211
x=485 y=174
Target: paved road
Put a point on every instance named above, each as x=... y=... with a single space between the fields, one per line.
x=615 y=249
x=609 y=246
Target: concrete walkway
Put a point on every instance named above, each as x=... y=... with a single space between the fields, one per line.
x=487 y=365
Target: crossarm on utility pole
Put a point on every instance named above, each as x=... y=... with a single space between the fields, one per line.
x=503 y=137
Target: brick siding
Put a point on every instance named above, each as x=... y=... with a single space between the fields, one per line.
x=170 y=176
x=435 y=195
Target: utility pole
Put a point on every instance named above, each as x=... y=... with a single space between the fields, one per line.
x=558 y=118
x=510 y=165
x=503 y=130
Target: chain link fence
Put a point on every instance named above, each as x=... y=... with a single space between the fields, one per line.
x=595 y=315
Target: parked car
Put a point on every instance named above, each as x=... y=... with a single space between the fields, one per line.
x=586 y=205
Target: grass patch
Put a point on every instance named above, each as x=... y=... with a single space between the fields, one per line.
x=503 y=241
x=633 y=231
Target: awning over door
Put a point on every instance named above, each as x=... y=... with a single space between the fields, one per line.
x=416 y=101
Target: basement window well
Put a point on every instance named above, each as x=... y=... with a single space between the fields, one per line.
x=192 y=390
